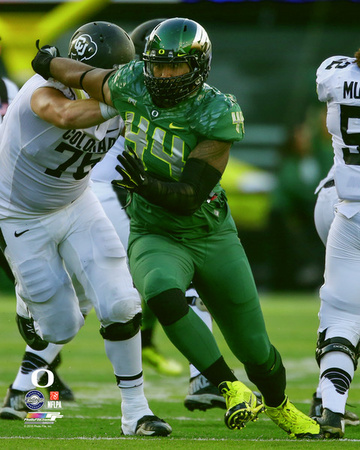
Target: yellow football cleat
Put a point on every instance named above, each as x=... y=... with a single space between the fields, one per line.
x=296 y=424
x=242 y=404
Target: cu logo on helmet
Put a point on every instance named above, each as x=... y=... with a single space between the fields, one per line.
x=84 y=48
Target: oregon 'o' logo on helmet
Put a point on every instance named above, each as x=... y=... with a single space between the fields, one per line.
x=83 y=48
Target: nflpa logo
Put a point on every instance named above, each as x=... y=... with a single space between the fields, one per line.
x=54 y=395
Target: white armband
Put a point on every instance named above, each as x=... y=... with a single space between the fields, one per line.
x=107 y=111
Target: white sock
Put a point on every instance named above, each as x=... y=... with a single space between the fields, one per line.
x=125 y=357
x=331 y=398
x=134 y=406
x=23 y=380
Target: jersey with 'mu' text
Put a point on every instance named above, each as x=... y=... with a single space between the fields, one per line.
x=338 y=84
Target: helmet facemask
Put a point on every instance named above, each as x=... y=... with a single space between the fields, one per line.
x=186 y=42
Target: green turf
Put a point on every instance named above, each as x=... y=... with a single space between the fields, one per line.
x=94 y=420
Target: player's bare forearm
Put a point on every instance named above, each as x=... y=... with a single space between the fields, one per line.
x=73 y=74
x=83 y=114
x=215 y=153
x=68 y=71
x=53 y=107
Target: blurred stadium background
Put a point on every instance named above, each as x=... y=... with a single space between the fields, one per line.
x=266 y=54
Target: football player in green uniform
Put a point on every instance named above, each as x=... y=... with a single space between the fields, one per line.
x=202 y=394
x=179 y=131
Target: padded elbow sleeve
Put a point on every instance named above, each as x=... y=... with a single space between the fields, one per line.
x=185 y=196
x=202 y=177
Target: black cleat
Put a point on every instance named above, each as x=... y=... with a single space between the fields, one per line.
x=14 y=407
x=203 y=395
x=152 y=426
x=316 y=411
x=332 y=424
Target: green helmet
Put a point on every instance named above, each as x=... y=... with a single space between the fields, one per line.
x=175 y=41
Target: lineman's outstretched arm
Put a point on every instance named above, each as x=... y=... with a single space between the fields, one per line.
x=53 y=107
x=74 y=74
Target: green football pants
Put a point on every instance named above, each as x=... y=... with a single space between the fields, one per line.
x=218 y=266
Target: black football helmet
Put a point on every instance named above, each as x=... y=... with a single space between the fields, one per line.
x=101 y=44
x=140 y=35
x=175 y=41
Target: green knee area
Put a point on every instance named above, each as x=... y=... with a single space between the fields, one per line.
x=169 y=306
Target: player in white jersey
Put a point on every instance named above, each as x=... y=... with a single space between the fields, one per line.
x=338 y=81
x=53 y=226
x=8 y=91
x=324 y=213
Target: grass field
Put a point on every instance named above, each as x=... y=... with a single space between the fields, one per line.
x=94 y=420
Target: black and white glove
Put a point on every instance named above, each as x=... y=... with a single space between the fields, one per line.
x=43 y=58
x=131 y=170
x=183 y=197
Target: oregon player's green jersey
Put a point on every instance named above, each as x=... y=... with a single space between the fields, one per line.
x=164 y=137
x=165 y=140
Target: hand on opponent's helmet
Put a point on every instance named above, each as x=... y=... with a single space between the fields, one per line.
x=43 y=58
x=131 y=170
